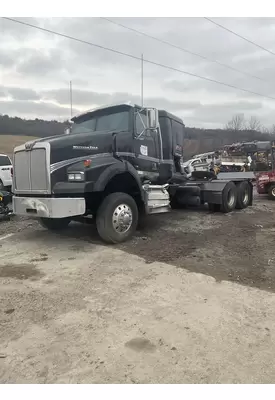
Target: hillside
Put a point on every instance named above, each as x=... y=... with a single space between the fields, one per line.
x=203 y=140
x=9 y=142
x=14 y=131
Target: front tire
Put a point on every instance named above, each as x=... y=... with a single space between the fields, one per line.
x=117 y=218
x=55 y=224
x=271 y=192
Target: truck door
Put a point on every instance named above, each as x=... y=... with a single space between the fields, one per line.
x=146 y=146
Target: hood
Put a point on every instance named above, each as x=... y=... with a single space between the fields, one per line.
x=65 y=147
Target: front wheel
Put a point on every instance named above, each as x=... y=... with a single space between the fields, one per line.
x=55 y=224
x=117 y=218
x=271 y=192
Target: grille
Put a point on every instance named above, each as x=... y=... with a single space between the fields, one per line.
x=30 y=171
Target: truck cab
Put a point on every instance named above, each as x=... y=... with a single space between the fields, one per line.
x=114 y=164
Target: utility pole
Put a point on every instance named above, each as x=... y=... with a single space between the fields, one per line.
x=142 y=80
x=71 y=98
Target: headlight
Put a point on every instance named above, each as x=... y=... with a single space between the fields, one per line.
x=76 y=176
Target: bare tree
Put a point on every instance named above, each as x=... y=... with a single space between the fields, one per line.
x=272 y=130
x=253 y=124
x=264 y=129
x=237 y=123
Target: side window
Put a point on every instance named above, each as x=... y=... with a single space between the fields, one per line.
x=140 y=123
x=177 y=129
x=178 y=135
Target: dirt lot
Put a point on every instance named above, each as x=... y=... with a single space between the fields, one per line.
x=189 y=300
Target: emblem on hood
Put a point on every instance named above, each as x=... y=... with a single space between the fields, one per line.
x=29 y=145
x=85 y=147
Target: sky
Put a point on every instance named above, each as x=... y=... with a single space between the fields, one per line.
x=36 y=67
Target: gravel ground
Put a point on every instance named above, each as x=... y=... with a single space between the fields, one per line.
x=190 y=299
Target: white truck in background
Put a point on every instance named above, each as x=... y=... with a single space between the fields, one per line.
x=5 y=172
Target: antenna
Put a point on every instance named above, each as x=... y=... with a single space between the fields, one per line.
x=71 y=98
x=141 y=80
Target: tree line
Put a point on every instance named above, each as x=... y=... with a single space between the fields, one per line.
x=238 y=129
x=30 y=127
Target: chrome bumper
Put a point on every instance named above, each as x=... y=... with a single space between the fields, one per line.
x=48 y=207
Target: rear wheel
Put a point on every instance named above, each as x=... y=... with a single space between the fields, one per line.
x=55 y=224
x=243 y=195
x=117 y=218
x=229 y=198
x=271 y=192
x=2 y=187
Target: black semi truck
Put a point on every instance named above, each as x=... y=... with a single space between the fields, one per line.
x=113 y=165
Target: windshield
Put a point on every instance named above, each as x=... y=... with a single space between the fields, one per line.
x=4 y=160
x=118 y=121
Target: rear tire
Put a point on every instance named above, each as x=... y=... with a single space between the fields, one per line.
x=229 y=198
x=243 y=195
x=271 y=192
x=55 y=224
x=2 y=187
x=117 y=218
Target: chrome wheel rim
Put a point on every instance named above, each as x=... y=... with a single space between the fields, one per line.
x=273 y=192
x=122 y=218
x=230 y=198
x=246 y=196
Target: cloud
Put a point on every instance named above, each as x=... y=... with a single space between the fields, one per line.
x=17 y=31
x=38 y=66
x=216 y=113
x=19 y=93
x=89 y=98
x=37 y=109
x=6 y=58
x=40 y=62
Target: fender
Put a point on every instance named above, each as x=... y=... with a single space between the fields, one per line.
x=212 y=191
x=101 y=171
x=113 y=170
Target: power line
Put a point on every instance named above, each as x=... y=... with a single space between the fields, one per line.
x=240 y=36
x=138 y=58
x=183 y=49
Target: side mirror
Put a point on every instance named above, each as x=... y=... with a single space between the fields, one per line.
x=152 y=118
x=67 y=131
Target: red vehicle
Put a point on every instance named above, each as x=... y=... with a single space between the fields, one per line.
x=265 y=181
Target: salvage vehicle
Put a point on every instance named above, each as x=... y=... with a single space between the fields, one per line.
x=114 y=165
x=5 y=201
x=195 y=164
x=265 y=180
